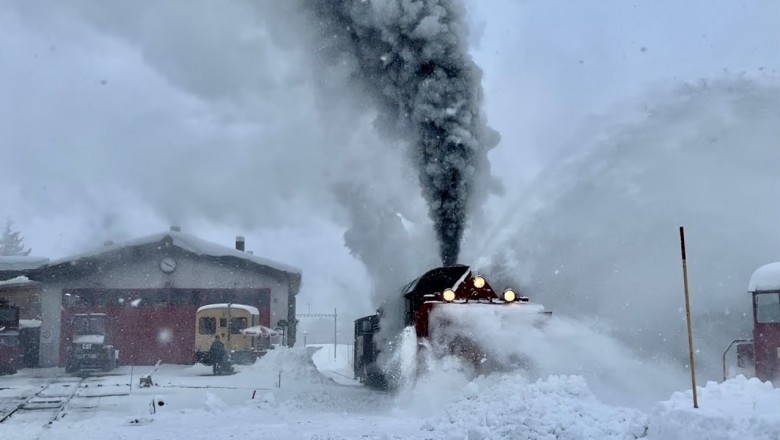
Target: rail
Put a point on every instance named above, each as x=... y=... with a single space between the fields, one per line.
x=38 y=401
x=735 y=341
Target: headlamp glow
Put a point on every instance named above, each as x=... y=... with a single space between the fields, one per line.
x=509 y=295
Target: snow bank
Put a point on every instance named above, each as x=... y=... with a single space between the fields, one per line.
x=508 y=406
x=295 y=364
x=737 y=409
x=766 y=277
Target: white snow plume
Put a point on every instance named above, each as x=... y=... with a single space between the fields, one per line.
x=411 y=58
x=517 y=337
x=400 y=368
x=601 y=237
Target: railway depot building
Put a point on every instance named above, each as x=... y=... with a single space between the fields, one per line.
x=150 y=289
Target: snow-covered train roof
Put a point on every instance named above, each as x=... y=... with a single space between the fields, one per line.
x=766 y=277
x=251 y=309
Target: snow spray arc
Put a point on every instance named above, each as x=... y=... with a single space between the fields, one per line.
x=411 y=57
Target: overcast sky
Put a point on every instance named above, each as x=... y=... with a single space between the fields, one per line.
x=118 y=119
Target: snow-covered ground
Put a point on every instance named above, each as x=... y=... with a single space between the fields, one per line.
x=306 y=394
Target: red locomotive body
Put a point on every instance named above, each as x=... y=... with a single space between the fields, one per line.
x=10 y=349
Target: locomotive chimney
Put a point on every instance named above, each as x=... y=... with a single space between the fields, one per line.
x=240 y=243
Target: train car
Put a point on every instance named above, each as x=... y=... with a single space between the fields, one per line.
x=91 y=349
x=759 y=356
x=227 y=321
x=11 y=357
x=436 y=306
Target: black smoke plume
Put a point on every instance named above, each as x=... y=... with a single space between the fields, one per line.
x=410 y=57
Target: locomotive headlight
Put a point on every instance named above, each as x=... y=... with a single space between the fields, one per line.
x=479 y=281
x=509 y=295
x=448 y=295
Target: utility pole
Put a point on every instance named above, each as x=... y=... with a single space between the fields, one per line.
x=335 y=333
x=688 y=317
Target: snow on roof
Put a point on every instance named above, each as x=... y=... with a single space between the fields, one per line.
x=250 y=309
x=21 y=262
x=18 y=280
x=766 y=277
x=187 y=242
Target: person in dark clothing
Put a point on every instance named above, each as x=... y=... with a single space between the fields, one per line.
x=217 y=354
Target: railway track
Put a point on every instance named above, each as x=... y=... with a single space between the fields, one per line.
x=47 y=403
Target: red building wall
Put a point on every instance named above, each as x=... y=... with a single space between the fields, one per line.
x=153 y=324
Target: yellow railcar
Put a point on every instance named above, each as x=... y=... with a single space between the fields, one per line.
x=226 y=321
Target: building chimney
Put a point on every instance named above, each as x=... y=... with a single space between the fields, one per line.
x=240 y=243
x=108 y=243
x=175 y=228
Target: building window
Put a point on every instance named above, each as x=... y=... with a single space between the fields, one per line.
x=185 y=298
x=207 y=326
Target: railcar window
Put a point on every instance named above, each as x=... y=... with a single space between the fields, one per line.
x=768 y=308
x=207 y=326
x=237 y=324
x=223 y=322
x=366 y=326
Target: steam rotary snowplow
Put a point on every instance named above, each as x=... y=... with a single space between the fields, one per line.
x=450 y=311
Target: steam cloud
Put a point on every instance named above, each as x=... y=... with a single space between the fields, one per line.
x=411 y=58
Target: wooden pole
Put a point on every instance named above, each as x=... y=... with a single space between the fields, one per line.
x=688 y=317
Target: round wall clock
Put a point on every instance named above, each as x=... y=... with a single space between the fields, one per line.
x=167 y=265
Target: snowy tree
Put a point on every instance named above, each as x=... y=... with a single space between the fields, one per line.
x=11 y=242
